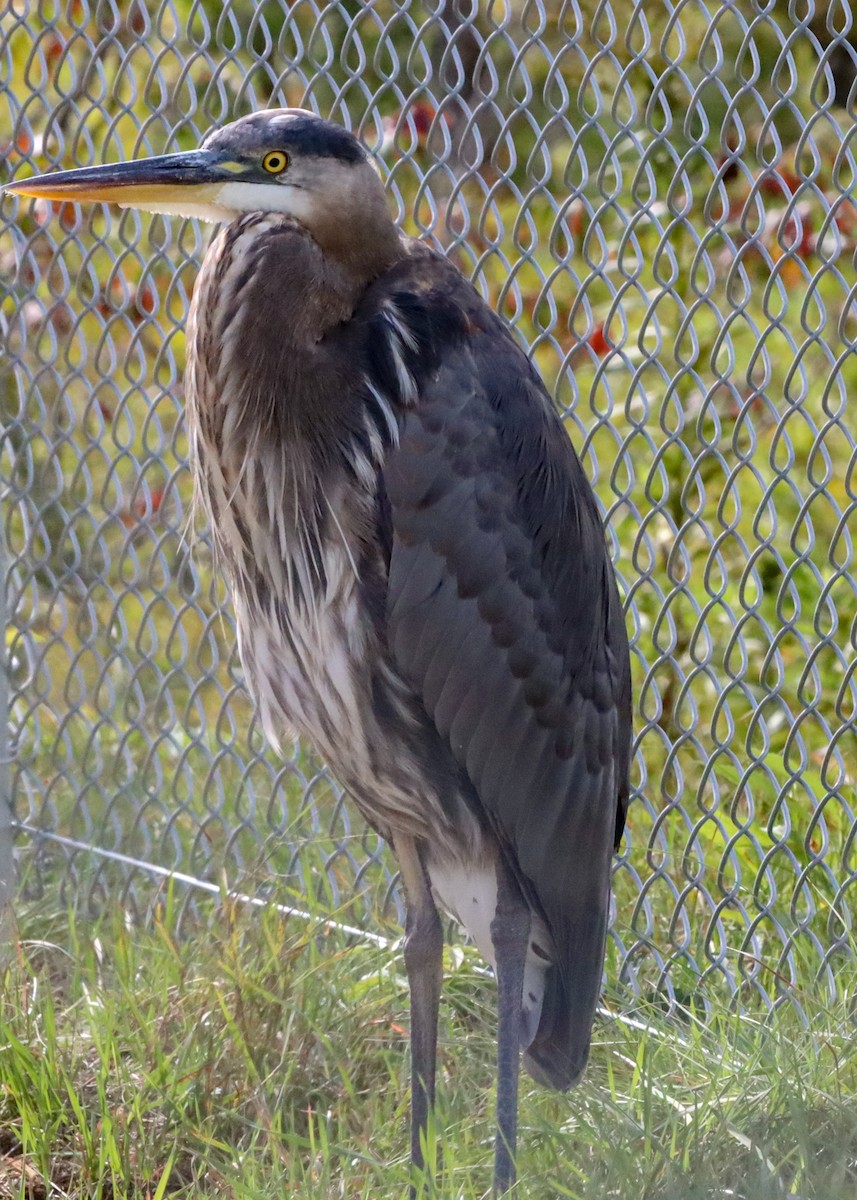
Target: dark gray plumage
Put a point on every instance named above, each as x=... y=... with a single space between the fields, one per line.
x=419 y=572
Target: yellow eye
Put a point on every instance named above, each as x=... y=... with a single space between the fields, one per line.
x=275 y=162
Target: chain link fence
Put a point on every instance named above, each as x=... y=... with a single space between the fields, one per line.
x=660 y=199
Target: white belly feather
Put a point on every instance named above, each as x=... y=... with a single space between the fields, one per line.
x=469 y=893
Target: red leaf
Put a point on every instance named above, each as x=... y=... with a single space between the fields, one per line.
x=423 y=114
x=597 y=341
x=145 y=506
x=797 y=236
x=52 y=49
x=780 y=182
x=146 y=298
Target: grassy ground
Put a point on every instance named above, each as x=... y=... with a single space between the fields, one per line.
x=260 y=1056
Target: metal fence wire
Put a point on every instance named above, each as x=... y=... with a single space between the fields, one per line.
x=660 y=197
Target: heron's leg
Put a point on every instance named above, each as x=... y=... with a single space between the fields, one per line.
x=510 y=933
x=424 y=964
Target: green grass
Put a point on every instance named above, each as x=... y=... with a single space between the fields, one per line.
x=259 y=1056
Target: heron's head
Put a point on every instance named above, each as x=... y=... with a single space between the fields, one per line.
x=282 y=160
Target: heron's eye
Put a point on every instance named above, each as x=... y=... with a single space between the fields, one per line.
x=275 y=162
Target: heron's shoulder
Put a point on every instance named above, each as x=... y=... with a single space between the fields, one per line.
x=430 y=315
x=425 y=278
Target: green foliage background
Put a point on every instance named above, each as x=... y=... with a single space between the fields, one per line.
x=661 y=202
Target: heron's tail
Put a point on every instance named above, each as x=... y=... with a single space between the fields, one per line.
x=557 y=1055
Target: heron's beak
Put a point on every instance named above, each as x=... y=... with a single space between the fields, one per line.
x=178 y=184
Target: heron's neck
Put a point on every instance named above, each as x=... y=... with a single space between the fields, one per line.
x=357 y=247
x=269 y=302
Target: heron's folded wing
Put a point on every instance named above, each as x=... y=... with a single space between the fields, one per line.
x=504 y=615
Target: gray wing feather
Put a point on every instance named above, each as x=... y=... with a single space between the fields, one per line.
x=503 y=613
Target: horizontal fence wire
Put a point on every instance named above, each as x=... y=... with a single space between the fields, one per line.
x=660 y=200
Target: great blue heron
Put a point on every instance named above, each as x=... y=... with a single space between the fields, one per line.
x=419 y=572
